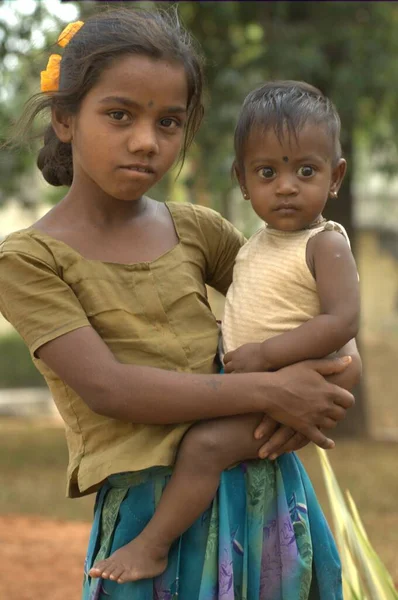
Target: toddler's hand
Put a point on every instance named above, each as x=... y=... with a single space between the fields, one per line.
x=248 y=358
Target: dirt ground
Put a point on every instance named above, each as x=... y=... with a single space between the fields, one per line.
x=41 y=558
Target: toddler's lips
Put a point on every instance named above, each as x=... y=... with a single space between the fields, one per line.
x=286 y=208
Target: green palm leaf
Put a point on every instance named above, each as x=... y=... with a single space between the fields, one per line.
x=364 y=575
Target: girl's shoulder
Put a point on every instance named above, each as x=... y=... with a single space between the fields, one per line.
x=194 y=213
x=203 y=221
x=31 y=243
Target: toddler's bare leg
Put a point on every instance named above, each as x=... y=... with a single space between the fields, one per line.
x=207 y=449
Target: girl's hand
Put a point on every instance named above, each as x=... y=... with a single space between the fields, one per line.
x=280 y=439
x=285 y=439
x=266 y=430
x=305 y=402
x=248 y=358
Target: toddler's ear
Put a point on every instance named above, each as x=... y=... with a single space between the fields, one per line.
x=239 y=176
x=338 y=173
x=245 y=193
x=62 y=125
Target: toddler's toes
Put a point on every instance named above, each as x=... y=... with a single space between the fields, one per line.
x=116 y=572
x=97 y=569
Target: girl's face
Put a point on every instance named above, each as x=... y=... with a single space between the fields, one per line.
x=129 y=128
x=289 y=181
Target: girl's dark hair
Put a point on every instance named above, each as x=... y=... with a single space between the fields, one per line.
x=102 y=39
x=285 y=106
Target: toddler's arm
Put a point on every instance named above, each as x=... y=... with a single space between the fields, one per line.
x=330 y=259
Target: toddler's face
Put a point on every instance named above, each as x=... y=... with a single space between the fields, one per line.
x=289 y=180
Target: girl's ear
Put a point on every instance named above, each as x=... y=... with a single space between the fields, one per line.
x=337 y=177
x=62 y=125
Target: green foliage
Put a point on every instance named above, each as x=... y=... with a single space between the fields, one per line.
x=364 y=575
x=16 y=366
x=22 y=43
x=347 y=49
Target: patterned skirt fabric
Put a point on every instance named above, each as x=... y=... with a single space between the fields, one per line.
x=263 y=538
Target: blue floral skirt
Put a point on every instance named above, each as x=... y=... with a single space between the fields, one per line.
x=264 y=537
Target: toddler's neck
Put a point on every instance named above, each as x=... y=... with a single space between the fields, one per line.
x=312 y=225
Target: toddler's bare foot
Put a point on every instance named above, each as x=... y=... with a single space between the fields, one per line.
x=136 y=560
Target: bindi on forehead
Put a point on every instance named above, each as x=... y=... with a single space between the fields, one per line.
x=285 y=159
x=150 y=104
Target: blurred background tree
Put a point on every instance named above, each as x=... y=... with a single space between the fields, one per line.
x=346 y=49
x=22 y=38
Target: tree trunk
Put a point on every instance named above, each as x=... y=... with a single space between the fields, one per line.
x=341 y=210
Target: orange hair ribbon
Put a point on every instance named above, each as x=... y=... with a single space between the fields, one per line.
x=49 y=79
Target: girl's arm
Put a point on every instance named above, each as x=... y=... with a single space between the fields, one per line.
x=297 y=396
x=337 y=285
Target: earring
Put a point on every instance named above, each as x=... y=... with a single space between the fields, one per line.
x=245 y=194
x=333 y=194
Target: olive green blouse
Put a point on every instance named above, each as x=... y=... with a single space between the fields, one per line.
x=153 y=313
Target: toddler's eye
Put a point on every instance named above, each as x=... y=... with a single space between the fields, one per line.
x=267 y=172
x=117 y=115
x=306 y=171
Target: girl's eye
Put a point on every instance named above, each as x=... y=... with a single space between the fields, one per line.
x=117 y=115
x=169 y=123
x=267 y=172
x=306 y=171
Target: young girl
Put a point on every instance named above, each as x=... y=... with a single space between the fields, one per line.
x=108 y=292
x=294 y=294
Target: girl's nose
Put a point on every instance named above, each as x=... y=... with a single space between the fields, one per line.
x=143 y=139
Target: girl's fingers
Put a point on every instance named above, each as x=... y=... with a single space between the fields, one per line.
x=265 y=428
x=315 y=435
x=328 y=423
x=337 y=413
x=295 y=443
x=330 y=366
x=280 y=437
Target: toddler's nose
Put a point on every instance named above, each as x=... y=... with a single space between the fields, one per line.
x=287 y=185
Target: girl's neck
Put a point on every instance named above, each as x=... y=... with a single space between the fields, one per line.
x=103 y=211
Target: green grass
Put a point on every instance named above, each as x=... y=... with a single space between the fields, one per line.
x=16 y=366
x=33 y=459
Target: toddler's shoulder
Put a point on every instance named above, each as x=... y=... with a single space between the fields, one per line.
x=332 y=233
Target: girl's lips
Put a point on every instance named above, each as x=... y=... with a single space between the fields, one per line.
x=136 y=172
x=139 y=168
